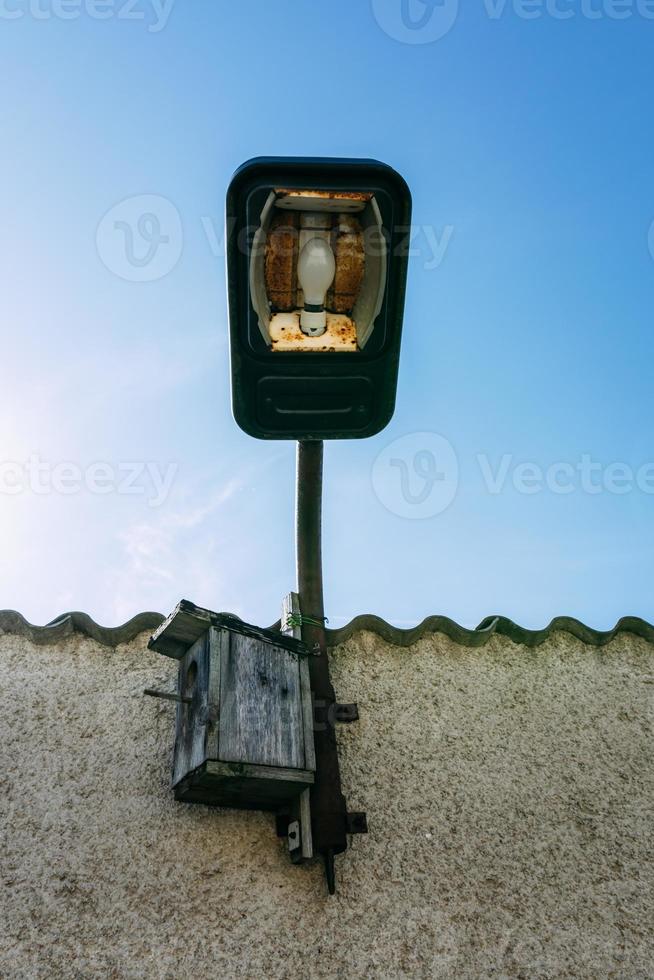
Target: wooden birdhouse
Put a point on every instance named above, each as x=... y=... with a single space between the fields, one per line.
x=244 y=730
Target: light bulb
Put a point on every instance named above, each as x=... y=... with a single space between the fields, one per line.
x=316 y=269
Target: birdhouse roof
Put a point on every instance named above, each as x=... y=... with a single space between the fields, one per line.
x=188 y=622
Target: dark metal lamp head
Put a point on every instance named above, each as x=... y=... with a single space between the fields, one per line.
x=317 y=264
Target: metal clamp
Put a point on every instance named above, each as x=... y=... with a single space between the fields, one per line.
x=357 y=823
x=346 y=713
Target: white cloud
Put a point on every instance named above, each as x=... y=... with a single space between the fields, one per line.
x=186 y=551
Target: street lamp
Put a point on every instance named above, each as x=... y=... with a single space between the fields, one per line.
x=316 y=275
x=316 y=269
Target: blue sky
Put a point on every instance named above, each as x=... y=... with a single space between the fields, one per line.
x=527 y=143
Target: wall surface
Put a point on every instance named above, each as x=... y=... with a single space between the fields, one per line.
x=508 y=790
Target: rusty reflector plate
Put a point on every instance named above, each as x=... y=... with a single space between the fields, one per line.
x=311 y=200
x=286 y=335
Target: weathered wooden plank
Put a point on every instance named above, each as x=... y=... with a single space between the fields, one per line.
x=217 y=640
x=191 y=720
x=261 y=720
x=243 y=787
x=235 y=770
x=290 y=615
x=179 y=631
x=301 y=807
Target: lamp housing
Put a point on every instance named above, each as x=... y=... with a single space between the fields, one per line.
x=339 y=379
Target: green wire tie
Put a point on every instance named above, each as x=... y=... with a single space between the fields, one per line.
x=296 y=620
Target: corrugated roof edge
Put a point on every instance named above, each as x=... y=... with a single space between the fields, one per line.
x=76 y=622
x=491 y=626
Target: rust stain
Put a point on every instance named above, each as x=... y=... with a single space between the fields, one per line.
x=281 y=261
x=361 y=196
x=349 y=252
x=286 y=334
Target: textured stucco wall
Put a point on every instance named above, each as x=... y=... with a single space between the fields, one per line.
x=509 y=796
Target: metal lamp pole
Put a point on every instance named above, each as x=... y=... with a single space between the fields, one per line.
x=328 y=806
